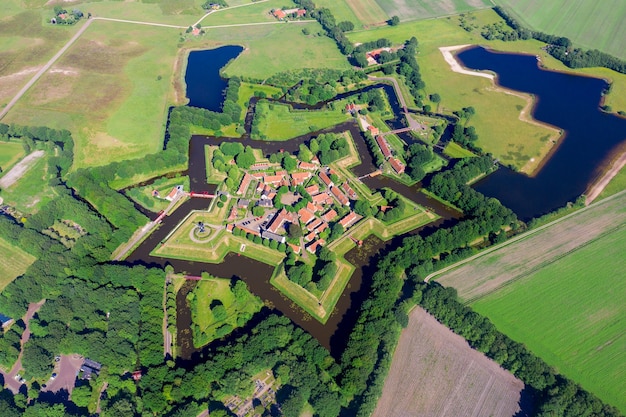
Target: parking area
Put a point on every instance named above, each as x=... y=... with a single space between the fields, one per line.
x=66 y=368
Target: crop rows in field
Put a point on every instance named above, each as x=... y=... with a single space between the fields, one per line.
x=426 y=9
x=434 y=372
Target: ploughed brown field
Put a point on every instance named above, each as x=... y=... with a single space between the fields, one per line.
x=435 y=373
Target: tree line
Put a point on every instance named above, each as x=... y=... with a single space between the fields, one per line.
x=561 y=47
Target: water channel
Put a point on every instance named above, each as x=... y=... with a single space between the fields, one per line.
x=256 y=274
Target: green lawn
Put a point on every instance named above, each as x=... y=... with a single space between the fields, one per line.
x=523 y=141
x=572 y=314
x=10 y=153
x=143 y=195
x=279 y=122
x=113 y=95
x=341 y=11
x=588 y=23
x=454 y=150
x=254 y=13
x=203 y=300
x=425 y=9
x=170 y=12
x=13 y=262
x=31 y=191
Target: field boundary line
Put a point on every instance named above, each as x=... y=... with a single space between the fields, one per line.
x=522 y=236
x=544 y=264
x=227 y=8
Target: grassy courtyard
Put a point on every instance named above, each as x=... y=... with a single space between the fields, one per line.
x=218 y=307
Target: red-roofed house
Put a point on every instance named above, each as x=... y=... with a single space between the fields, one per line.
x=279 y=220
x=172 y=195
x=279 y=14
x=245 y=182
x=296 y=248
x=322 y=199
x=313 y=225
x=282 y=172
x=310 y=237
x=349 y=219
x=396 y=165
x=299 y=178
x=233 y=214
x=384 y=148
x=329 y=215
x=312 y=207
x=308 y=166
x=305 y=216
x=351 y=108
x=340 y=196
x=301 y=13
x=273 y=179
x=259 y=165
x=313 y=247
x=259 y=176
x=348 y=190
x=321 y=227
x=313 y=189
x=230 y=227
x=325 y=179
x=373 y=130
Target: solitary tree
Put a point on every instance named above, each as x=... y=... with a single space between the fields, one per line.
x=394 y=21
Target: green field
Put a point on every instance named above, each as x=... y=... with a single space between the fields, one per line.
x=454 y=150
x=572 y=314
x=424 y=9
x=279 y=122
x=525 y=143
x=254 y=13
x=110 y=90
x=368 y=12
x=236 y=310
x=341 y=11
x=13 y=263
x=588 y=23
x=10 y=153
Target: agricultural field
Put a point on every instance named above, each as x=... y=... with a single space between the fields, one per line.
x=170 y=12
x=255 y=13
x=218 y=307
x=10 y=153
x=110 y=90
x=560 y=292
x=342 y=11
x=434 y=372
x=279 y=122
x=588 y=23
x=408 y=10
x=368 y=12
x=526 y=142
x=13 y=262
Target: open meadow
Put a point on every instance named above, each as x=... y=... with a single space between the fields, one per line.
x=31 y=190
x=588 y=23
x=434 y=372
x=512 y=140
x=110 y=90
x=560 y=291
x=13 y=263
x=368 y=12
x=425 y=9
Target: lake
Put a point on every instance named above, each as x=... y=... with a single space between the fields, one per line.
x=569 y=102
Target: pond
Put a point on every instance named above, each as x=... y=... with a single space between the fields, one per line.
x=205 y=87
x=567 y=101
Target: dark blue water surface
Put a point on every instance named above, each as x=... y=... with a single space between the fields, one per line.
x=205 y=87
x=568 y=102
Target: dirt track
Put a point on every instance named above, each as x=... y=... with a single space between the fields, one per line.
x=516 y=259
x=595 y=190
x=435 y=373
x=20 y=169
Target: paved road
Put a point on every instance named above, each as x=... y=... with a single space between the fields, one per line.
x=44 y=69
x=9 y=377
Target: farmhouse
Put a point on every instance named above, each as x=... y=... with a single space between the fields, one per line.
x=279 y=14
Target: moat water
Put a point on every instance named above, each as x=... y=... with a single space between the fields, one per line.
x=566 y=175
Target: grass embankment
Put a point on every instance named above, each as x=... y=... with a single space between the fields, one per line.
x=10 y=153
x=579 y=21
x=280 y=122
x=556 y=289
x=213 y=249
x=426 y=9
x=208 y=323
x=110 y=90
x=13 y=262
x=511 y=140
x=143 y=195
x=454 y=150
x=31 y=191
